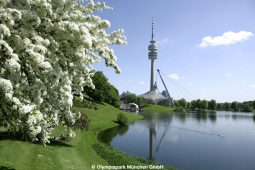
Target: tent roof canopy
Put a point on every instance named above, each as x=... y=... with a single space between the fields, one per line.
x=154 y=95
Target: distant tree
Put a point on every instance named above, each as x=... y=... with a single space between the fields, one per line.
x=189 y=105
x=245 y=107
x=112 y=96
x=199 y=104
x=193 y=104
x=219 y=106
x=103 y=91
x=204 y=104
x=212 y=104
x=227 y=106
x=101 y=85
x=222 y=106
x=130 y=98
x=235 y=106
x=253 y=104
x=183 y=103
x=176 y=103
x=139 y=100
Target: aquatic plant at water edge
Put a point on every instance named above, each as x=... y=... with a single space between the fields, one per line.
x=122 y=119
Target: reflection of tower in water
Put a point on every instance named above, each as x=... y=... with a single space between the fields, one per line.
x=153 y=123
x=154 y=144
x=152 y=137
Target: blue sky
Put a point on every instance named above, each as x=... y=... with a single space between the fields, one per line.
x=218 y=67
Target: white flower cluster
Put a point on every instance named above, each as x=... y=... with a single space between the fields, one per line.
x=6 y=86
x=4 y=31
x=47 y=50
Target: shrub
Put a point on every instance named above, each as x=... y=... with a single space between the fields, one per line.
x=82 y=123
x=122 y=119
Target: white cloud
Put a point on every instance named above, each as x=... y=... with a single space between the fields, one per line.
x=252 y=86
x=173 y=76
x=226 y=38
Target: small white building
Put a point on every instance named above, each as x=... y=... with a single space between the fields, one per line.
x=130 y=107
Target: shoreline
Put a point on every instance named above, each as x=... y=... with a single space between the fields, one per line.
x=122 y=158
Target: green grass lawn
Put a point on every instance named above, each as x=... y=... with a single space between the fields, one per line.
x=79 y=154
x=157 y=109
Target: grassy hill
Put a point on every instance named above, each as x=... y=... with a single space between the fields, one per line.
x=157 y=109
x=78 y=154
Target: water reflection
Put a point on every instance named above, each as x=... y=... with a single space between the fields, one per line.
x=213 y=117
x=173 y=139
x=181 y=117
x=154 y=119
x=108 y=135
x=151 y=143
x=200 y=117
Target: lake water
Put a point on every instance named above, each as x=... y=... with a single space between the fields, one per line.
x=213 y=141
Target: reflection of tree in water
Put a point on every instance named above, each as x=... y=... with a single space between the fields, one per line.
x=197 y=116
x=242 y=116
x=213 y=117
x=121 y=130
x=201 y=116
x=181 y=116
x=234 y=117
x=108 y=135
x=253 y=118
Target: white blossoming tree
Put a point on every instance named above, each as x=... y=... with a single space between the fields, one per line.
x=47 y=48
